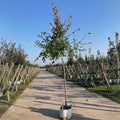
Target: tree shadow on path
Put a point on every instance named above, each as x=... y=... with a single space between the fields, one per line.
x=55 y=114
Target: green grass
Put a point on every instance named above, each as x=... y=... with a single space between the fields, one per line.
x=116 y=87
x=3 y=108
x=99 y=89
x=13 y=96
x=103 y=90
x=80 y=83
x=116 y=97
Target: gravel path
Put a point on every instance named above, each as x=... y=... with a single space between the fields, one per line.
x=43 y=98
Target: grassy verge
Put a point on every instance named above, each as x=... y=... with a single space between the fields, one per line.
x=80 y=83
x=4 y=104
x=103 y=90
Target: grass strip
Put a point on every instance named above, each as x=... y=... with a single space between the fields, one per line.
x=4 y=104
x=103 y=90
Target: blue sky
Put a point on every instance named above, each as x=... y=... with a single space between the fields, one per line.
x=22 y=20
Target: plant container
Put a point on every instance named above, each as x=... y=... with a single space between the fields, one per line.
x=65 y=112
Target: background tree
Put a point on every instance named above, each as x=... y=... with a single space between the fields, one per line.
x=114 y=55
x=9 y=53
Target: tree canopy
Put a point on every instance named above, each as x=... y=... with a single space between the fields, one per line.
x=56 y=43
x=10 y=53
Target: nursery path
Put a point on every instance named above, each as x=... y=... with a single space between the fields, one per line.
x=43 y=98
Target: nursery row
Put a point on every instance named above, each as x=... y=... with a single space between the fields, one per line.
x=12 y=76
x=82 y=75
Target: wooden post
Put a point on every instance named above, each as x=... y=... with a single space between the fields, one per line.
x=17 y=77
x=8 y=96
x=1 y=77
x=27 y=73
x=8 y=75
x=87 y=75
x=13 y=78
x=23 y=74
x=68 y=72
x=109 y=87
x=81 y=68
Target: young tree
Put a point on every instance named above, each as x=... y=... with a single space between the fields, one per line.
x=57 y=44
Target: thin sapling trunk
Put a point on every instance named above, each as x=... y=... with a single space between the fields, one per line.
x=65 y=88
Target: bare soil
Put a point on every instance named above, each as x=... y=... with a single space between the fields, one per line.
x=44 y=96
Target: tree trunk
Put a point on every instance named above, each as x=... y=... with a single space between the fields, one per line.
x=65 y=89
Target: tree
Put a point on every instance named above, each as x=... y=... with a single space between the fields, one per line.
x=10 y=53
x=114 y=54
x=118 y=55
x=57 y=44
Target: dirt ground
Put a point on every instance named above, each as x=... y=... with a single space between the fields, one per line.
x=44 y=96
